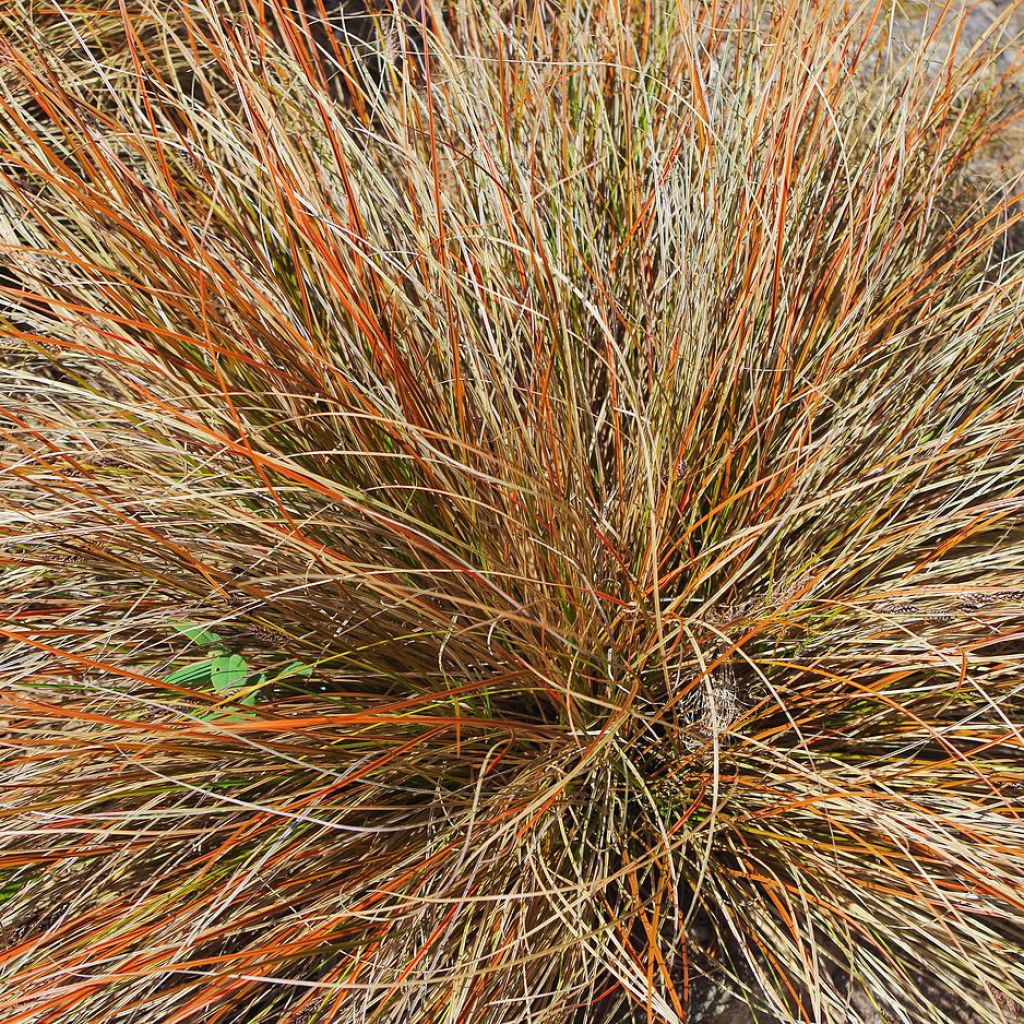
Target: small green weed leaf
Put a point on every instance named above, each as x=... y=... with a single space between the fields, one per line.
x=191 y=673
x=249 y=700
x=11 y=889
x=229 y=671
x=197 y=633
x=296 y=668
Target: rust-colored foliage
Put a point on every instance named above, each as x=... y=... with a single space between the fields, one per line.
x=618 y=406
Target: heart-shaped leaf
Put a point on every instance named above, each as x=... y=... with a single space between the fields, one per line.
x=228 y=672
x=197 y=633
x=296 y=668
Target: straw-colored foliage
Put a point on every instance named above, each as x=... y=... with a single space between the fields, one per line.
x=514 y=515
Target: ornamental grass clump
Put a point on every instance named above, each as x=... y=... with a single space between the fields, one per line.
x=510 y=514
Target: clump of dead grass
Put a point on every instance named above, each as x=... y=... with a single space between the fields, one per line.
x=617 y=408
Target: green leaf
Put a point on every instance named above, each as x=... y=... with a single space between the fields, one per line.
x=249 y=700
x=197 y=633
x=191 y=673
x=229 y=672
x=296 y=668
x=11 y=889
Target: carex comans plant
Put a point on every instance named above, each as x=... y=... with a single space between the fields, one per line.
x=511 y=516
